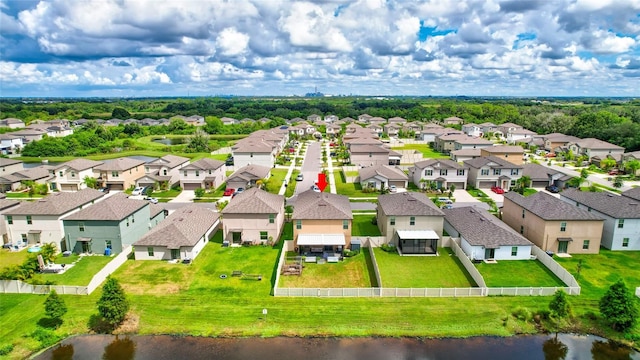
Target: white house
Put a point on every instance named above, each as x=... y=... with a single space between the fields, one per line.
x=442 y=172
x=10 y=143
x=69 y=176
x=204 y=173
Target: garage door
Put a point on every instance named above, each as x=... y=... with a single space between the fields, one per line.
x=486 y=184
x=398 y=184
x=145 y=184
x=191 y=186
x=115 y=186
x=68 y=187
x=539 y=184
x=459 y=185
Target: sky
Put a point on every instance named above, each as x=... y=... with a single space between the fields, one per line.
x=146 y=48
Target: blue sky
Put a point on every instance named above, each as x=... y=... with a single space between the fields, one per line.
x=136 y=48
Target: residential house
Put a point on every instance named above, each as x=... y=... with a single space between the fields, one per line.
x=164 y=170
x=10 y=144
x=12 y=123
x=453 y=120
x=505 y=129
x=630 y=156
x=120 y=173
x=229 y=121
x=195 y=120
x=6 y=205
x=552 y=224
x=375 y=128
x=596 y=150
x=15 y=181
x=486 y=172
x=483 y=236
x=368 y=155
x=205 y=173
x=414 y=126
x=380 y=177
x=376 y=120
x=9 y=166
x=488 y=128
x=314 y=117
x=397 y=120
x=621 y=216
x=322 y=223
x=411 y=222
x=40 y=221
x=391 y=129
x=442 y=172
x=430 y=131
x=69 y=176
x=346 y=120
x=542 y=176
x=296 y=130
x=254 y=150
x=333 y=129
x=633 y=193
x=470 y=142
x=253 y=216
x=114 y=224
x=520 y=136
x=29 y=135
x=472 y=130
x=464 y=154
x=247 y=176
x=445 y=142
x=330 y=118
x=511 y=153
x=181 y=236
x=557 y=141
x=364 y=118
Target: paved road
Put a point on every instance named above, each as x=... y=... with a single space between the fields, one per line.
x=311 y=166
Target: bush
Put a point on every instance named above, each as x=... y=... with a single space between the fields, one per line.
x=46 y=337
x=521 y=313
x=388 y=247
x=6 y=349
x=199 y=192
x=349 y=253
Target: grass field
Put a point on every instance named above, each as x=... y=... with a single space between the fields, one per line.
x=275 y=181
x=350 y=189
x=426 y=151
x=80 y=274
x=518 y=273
x=10 y=258
x=22 y=195
x=362 y=226
x=353 y=272
x=150 y=153
x=444 y=270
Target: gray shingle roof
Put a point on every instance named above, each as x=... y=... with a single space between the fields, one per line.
x=155 y=209
x=592 y=143
x=255 y=201
x=499 y=163
x=378 y=149
x=479 y=227
x=6 y=162
x=388 y=172
x=79 y=164
x=119 y=164
x=517 y=149
x=408 y=203
x=8 y=203
x=249 y=172
x=322 y=206
x=115 y=208
x=537 y=172
x=184 y=227
x=440 y=164
x=616 y=206
x=205 y=164
x=549 y=207
x=169 y=161
x=633 y=193
x=57 y=203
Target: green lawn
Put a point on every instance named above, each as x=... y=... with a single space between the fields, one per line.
x=362 y=226
x=529 y=191
x=9 y=258
x=80 y=274
x=477 y=193
x=350 y=189
x=426 y=150
x=275 y=181
x=167 y=193
x=352 y=272
x=22 y=195
x=518 y=273
x=444 y=270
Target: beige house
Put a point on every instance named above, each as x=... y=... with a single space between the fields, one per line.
x=321 y=223
x=368 y=155
x=163 y=170
x=596 y=150
x=486 y=172
x=410 y=221
x=12 y=182
x=248 y=176
x=6 y=205
x=69 y=176
x=511 y=153
x=9 y=166
x=441 y=172
x=204 y=173
x=380 y=177
x=552 y=224
x=120 y=173
x=254 y=216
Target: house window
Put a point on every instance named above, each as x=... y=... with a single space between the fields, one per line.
x=370 y=155
x=209 y=171
x=146 y=169
x=620 y=223
x=585 y=245
x=81 y=227
x=73 y=174
x=523 y=213
x=625 y=242
x=264 y=236
x=522 y=229
x=29 y=220
x=133 y=219
x=412 y=220
x=298 y=224
x=484 y=172
x=514 y=251
x=497 y=171
x=9 y=219
x=506 y=155
x=443 y=172
x=107 y=244
x=515 y=171
x=127 y=221
x=461 y=172
x=114 y=174
x=251 y=155
x=186 y=173
x=197 y=173
x=150 y=250
x=563 y=226
x=164 y=172
x=61 y=173
x=345 y=224
x=272 y=218
x=392 y=220
x=24 y=237
x=428 y=172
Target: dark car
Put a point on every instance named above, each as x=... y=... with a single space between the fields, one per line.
x=552 y=189
x=229 y=161
x=104 y=190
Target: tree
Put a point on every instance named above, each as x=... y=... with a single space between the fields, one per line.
x=618 y=307
x=607 y=163
x=199 y=142
x=632 y=166
x=199 y=192
x=113 y=304
x=91 y=182
x=55 y=307
x=120 y=113
x=618 y=182
x=559 y=305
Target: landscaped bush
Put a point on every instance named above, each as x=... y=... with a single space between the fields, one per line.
x=6 y=349
x=46 y=337
x=349 y=253
x=521 y=313
x=388 y=247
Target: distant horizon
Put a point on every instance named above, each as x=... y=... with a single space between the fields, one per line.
x=322 y=97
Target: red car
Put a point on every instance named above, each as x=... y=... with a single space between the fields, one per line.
x=497 y=190
x=229 y=192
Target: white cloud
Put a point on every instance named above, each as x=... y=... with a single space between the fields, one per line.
x=232 y=42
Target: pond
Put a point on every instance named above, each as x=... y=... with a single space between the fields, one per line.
x=169 y=141
x=565 y=346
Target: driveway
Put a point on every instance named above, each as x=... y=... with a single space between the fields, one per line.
x=184 y=197
x=498 y=198
x=463 y=196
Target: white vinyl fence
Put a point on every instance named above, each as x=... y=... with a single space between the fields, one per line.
x=638 y=291
x=19 y=287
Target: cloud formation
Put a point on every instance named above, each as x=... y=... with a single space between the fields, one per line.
x=279 y=47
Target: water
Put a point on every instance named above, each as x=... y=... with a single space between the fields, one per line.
x=171 y=141
x=163 y=347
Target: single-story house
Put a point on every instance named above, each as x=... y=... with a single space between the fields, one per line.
x=382 y=177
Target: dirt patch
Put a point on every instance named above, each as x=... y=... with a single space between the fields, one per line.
x=129 y=325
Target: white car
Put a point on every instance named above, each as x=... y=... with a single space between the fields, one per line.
x=393 y=188
x=137 y=191
x=152 y=200
x=315 y=188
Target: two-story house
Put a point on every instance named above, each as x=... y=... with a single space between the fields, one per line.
x=322 y=223
x=205 y=173
x=254 y=151
x=442 y=172
x=368 y=155
x=397 y=120
x=15 y=181
x=511 y=153
x=557 y=141
x=163 y=170
x=40 y=221
x=391 y=129
x=596 y=150
x=10 y=144
x=12 y=123
x=486 y=172
x=446 y=142
x=453 y=120
x=114 y=224
x=472 y=130
x=6 y=205
x=120 y=173
x=552 y=224
x=9 y=166
x=520 y=135
x=621 y=216
x=411 y=222
x=253 y=216
x=470 y=142
x=69 y=176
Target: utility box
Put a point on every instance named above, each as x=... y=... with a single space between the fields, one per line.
x=355 y=245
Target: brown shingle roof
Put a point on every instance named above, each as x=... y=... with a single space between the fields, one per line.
x=388 y=172
x=6 y=162
x=204 y=164
x=511 y=149
x=250 y=172
x=255 y=201
x=115 y=208
x=57 y=203
x=479 y=227
x=548 y=207
x=322 y=206
x=184 y=227
x=439 y=163
x=408 y=203
x=538 y=172
x=170 y=161
x=616 y=206
x=119 y=164
x=477 y=163
x=79 y=164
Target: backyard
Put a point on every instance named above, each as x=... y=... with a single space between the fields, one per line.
x=518 y=273
x=79 y=274
x=9 y=258
x=274 y=182
x=363 y=226
x=425 y=149
x=350 y=189
x=352 y=272
x=443 y=271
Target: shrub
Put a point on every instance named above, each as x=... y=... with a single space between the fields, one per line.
x=388 y=247
x=46 y=337
x=6 y=349
x=349 y=253
x=199 y=192
x=521 y=313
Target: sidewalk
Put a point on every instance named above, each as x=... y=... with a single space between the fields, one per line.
x=287 y=178
x=331 y=179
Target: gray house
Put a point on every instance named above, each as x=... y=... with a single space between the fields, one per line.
x=112 y=224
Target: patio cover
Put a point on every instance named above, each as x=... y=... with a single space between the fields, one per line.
x=84 y=239
x=321 y=239
x=417 y=234
x=35 y=231
x=565 y=239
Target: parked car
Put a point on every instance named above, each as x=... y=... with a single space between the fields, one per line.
x=550 y=155
x=315 y=188
x=152 y=200
x=228 y=192
x=292 y=150
x=238 y=191
x=104 y=190
x=616 y=172
x=393 y=188
x=138 y=191
x=497 y=190
x=552 y=189
x=229 y=161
